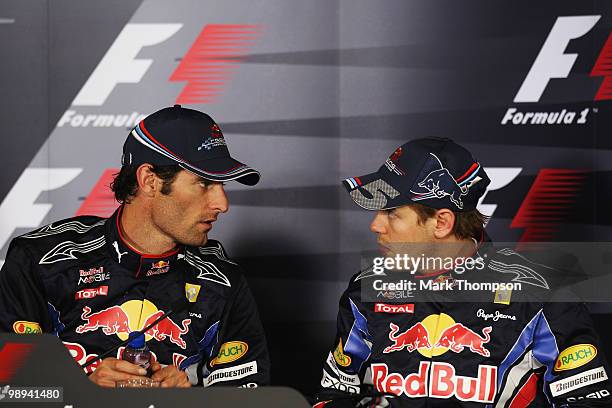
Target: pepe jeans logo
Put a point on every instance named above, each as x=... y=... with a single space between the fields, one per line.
x=493 y=316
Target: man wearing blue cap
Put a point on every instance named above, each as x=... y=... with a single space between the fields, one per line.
x=92 y=281
x=438 y=339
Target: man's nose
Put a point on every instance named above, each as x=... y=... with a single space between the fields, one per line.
x=219 y=201
x=378 y=223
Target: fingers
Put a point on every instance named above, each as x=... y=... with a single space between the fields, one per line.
x=178 y=379
x=165 y=375
x=171 y=376
x=128 y=368
x=159 y=374
x=112 y=370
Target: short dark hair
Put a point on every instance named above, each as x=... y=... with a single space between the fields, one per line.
x=125 y=185
x=468 y=224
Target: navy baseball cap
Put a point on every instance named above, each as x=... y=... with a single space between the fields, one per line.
x=189 y=138
x=435 y=172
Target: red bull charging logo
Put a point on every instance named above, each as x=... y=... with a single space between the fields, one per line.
x=157 y=268
x=436 y=335
x=131 y=316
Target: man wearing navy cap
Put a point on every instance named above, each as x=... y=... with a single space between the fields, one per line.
x=92 y=281
x=432 y=340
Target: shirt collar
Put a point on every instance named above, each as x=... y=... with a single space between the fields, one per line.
x=143 y=265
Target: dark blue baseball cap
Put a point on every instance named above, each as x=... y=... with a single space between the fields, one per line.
x=189 y=138
x=435 y=172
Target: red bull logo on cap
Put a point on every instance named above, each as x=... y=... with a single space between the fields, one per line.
x=436 y=335
x=440 y=183
x=134 y=315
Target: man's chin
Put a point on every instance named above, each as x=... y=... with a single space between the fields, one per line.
x=386 y=252
x=203 y=240
x=195 y=241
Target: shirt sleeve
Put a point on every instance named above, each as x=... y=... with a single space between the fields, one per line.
x=23 y=308
x=344 y=370
x=568 y=353
x=240 y=355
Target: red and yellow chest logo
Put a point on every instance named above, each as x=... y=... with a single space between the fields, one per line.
x=437 y=334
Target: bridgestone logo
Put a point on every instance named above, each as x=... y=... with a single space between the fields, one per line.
x=578 y=381
x=231 y=373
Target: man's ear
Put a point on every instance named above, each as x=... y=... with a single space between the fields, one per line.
x=148 y=182
x=445 y=221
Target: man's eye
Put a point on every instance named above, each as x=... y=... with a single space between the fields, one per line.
x=207 y=183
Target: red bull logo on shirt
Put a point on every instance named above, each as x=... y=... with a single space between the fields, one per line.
x=436 y=335
x=412 y=339
x=160 y=264
x=158 y=268
x=134 y=315
x=441 y=381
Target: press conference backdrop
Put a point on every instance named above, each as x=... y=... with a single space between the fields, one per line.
x=311 y=93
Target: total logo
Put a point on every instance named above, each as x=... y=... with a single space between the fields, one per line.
x=134 y=315
x=436 y=335
x=91 y=293
x=553 y=62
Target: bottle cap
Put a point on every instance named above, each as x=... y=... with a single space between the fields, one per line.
x=137 y=340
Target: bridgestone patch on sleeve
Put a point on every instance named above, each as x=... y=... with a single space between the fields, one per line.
x=231 y=373
x=578 y=381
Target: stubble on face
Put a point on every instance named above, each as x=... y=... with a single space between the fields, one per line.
x=185 y=214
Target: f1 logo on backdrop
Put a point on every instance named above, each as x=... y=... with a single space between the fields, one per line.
x=216 y=49
x=120 y=65
x=205 y=69
x=553 y=62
